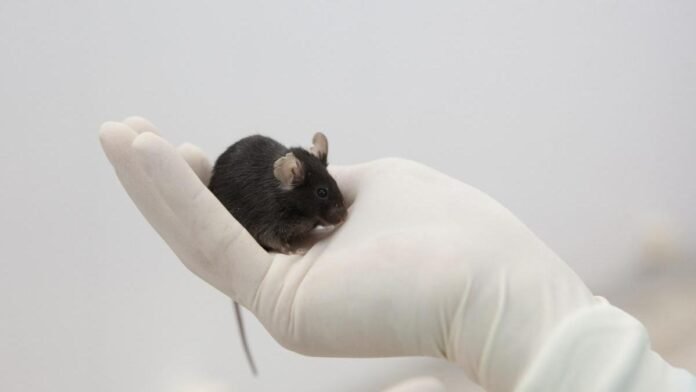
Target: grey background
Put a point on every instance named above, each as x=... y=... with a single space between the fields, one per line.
x=579 y=117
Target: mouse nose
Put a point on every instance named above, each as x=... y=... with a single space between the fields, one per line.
x=337 y=214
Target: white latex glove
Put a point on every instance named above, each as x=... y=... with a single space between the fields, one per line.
x=418 y=384
x=424 y=264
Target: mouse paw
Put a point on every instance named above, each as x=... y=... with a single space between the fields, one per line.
x=285 y=251
x=285 y=248
x=299 y=251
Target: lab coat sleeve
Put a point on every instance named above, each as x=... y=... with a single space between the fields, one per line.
x=602 y=348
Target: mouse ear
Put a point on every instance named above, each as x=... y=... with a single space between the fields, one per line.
x=320 y=147
x=289 y=171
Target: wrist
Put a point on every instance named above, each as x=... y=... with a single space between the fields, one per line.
x=498 y=331
x=602 y=348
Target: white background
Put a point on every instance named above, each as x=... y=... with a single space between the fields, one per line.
x=580 y=117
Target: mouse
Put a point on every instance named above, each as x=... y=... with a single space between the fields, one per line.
x=280 y=195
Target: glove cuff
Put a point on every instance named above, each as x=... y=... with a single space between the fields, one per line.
x=602 y=348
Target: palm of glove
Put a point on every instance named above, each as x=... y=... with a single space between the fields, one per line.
x=424 y=264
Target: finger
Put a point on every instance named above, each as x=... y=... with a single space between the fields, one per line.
x=236 y=264
x=191 y=153
x=116 y=139
x=418 y=384
x=140 y=125
x=196 y=158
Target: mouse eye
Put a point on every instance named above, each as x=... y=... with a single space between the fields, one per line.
x=322 y=192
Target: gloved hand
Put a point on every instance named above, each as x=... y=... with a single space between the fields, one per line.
x=425 y=265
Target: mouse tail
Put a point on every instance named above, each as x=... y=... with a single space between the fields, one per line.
x=242 y=335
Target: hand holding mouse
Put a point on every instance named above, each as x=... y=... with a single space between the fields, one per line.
x=424 y=265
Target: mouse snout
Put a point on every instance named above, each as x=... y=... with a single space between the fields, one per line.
x=337 y=214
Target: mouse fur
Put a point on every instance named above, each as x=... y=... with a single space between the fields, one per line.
x=278 y=194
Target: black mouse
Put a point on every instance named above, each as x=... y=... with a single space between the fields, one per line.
x=278 y=194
